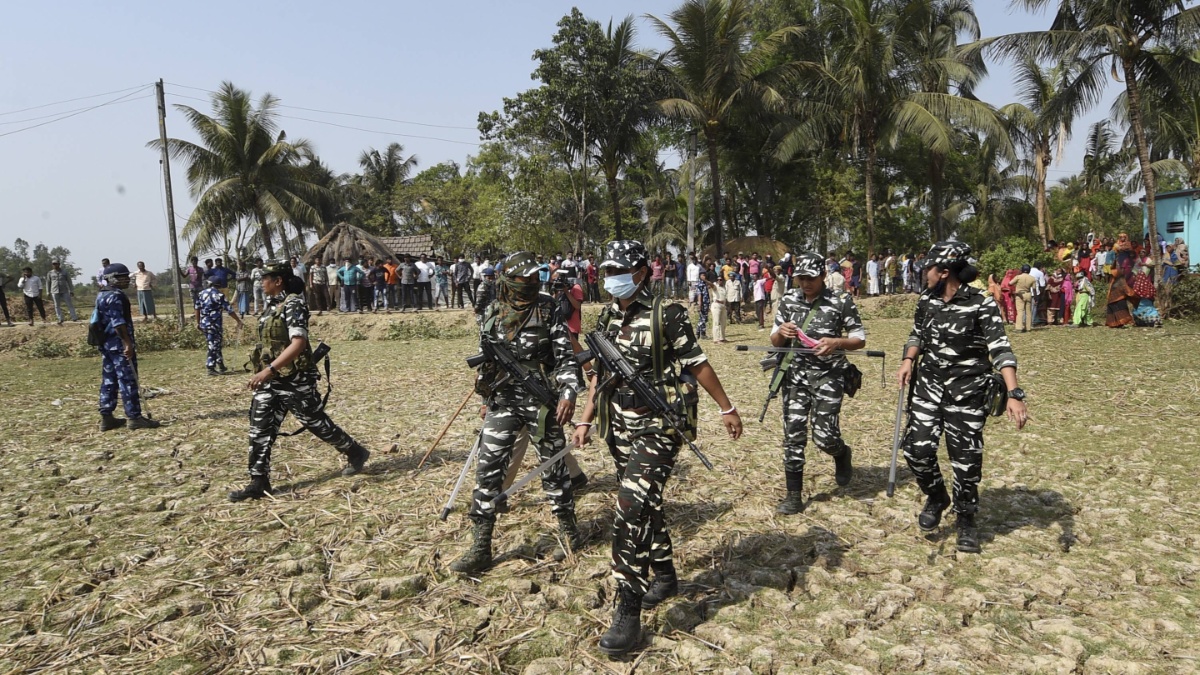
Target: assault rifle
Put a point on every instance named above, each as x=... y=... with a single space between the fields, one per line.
x=513 y=370
x=780 y=359
x=620 y=370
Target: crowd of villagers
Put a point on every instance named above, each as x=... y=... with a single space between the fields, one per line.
x=1066 y=295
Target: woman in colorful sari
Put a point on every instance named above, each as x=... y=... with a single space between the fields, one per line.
x=1085 y=298
x=1054 y=291
x=993 y=288
x=1068 y=296
x=1008 y=303
x=1124 y=257
x=1116 y=313
x=1146 y=314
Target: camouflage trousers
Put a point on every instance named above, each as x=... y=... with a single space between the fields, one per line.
x=216 y=343
x=701 y=292
x=954 y=407
x=273 y=401
x=117 y=374
x=505 y=420
x=645 y=455
x=816 y=393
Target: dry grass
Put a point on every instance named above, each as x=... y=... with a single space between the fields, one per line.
x=120 y=553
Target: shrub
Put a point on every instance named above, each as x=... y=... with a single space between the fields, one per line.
x=354 y=335
x=44 y=348
x=1012 y=253
x=1185 y=298
x=422 y=329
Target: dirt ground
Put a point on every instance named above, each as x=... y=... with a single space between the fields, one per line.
x=120 y=552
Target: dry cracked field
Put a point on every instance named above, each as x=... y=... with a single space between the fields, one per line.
x=120 y=554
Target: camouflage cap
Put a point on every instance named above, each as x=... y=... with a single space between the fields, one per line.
x=521 y=264
x=946 y=253
x=624 y=254
x=808 y=265
x=275 y=267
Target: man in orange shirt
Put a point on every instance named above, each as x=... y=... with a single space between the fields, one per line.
x=393 y=278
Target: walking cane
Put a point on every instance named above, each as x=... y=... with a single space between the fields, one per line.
x=445 y=428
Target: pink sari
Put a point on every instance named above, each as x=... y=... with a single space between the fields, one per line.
x=1007 y=304
x=1068 y=291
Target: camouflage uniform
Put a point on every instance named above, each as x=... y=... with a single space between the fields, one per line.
x=213 y=306
x=960 y=342
x=542 y=343
x=644 y=451
x=703 y=298
x=814 y=385
x=294 y=390
x=117 y=372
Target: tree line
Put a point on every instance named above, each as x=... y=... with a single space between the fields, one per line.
x=826 y=124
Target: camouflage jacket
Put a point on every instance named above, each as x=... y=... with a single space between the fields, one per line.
x=633 y=331
x=960 y=338
x=542 y=343
x=212 y=305
x=836 y=316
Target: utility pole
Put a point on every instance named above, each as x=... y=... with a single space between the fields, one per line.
x=691 y=225
x=166 y=167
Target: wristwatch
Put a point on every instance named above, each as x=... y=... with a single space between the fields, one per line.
x=1017 y=394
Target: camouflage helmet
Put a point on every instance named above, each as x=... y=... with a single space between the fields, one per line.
x=276 y=268
x=808 y=265
x=521 y=264
x=947 y=253
x=624 y=254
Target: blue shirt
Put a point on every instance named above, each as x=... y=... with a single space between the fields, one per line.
x=544 y=273
x=219 y=275
x=212 y=305
x=349 y=275
x=110 y=312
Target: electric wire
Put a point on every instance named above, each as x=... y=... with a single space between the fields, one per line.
x=72 y=100
x=119 y=99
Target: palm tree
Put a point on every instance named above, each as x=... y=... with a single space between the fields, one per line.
x=381 y=173
x=711 y=67
x=1104 y=161
x=1118 y=37
x=874 y=78
x=245 y=167
x=1173 y=126
x=1041 y=121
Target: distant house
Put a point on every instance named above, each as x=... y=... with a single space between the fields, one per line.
x=1178 y=216
x=413 y=245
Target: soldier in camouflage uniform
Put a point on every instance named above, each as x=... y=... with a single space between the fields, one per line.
x=643 y=448
x=118 y=353
x=959 y=335
x=524 y=321
x=815 y=383
x=286 y=381
x=213 y=306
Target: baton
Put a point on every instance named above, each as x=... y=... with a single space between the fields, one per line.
x=891 y=485
x=138 y=386
x=462 y=475
x=541 y=468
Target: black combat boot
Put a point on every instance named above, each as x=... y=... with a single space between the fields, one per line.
x=259 y=487
x=968 y=534
x=626 y=628
x=479 y=557
x=665 y=585
x=357 y=456
x=143 y=422
x=212 y=372
x=221 y=367
x=568 y=531
x=843 y=469
x=108 y=422
x=578 y=482
x=931 y=515
x=793 y=503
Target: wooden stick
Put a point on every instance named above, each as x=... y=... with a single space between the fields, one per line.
x=446 y=428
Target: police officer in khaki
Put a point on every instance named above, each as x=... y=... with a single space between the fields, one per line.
x=286 y=381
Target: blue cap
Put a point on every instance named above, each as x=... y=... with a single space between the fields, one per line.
x=489 y=271
x=115 y=270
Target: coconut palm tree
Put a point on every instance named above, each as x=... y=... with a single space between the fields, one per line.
x=1041 y=122
x=1111 y=36
x=381 y=173
x=244 y=167
x=712 y=66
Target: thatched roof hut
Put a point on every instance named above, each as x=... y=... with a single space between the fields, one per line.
x=347 y=241
x=763 y=246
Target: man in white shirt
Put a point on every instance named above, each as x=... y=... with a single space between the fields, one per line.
x=31 y=286
x=424 y=277
x=61 y=291
x=1039 y=292
x=873 y=276
x=693 y=278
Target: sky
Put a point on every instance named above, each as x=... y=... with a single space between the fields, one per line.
x=89 y=183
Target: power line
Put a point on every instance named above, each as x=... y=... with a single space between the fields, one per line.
x=64 y=112
x=71 y=100
x=119 y=99
x=376 y=131
x=348 y=114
